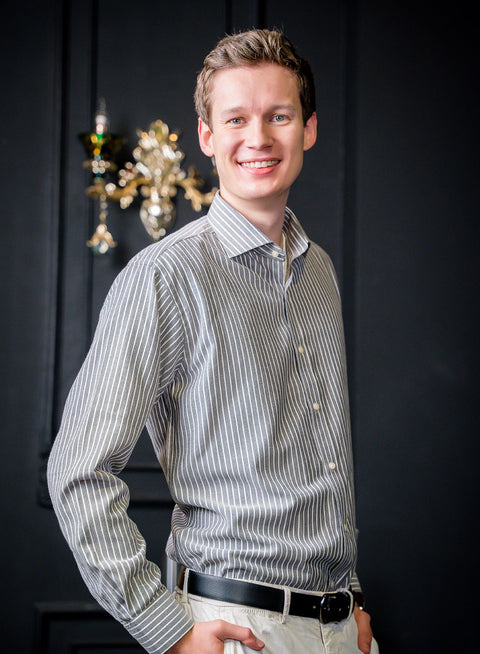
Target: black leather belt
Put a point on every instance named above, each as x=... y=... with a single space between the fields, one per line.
x=328 y=607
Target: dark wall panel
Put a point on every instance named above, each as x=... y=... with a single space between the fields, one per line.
x=31 y=55
x=416 y=330
x=143 y=62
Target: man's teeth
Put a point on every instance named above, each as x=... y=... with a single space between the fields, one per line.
x=259 y=164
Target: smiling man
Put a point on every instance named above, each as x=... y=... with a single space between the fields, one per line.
x=226 y=340
x=256 y=131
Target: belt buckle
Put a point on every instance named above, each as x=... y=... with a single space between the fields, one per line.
x=335 y=607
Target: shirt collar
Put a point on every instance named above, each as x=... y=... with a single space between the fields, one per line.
x=238 y=235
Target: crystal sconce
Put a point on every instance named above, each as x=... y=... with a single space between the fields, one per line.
x=156 y=173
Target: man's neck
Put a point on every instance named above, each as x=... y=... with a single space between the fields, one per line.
x=268 y=218
x=269 y=224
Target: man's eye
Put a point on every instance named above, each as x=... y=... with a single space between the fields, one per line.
x=235 y=121
x=279 y=118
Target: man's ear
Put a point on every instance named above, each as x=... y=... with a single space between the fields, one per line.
x=310 y=132
x=205 y=138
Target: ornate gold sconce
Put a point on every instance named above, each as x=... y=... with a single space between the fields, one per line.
x=156 y=173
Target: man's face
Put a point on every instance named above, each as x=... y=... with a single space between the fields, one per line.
x=257 y=135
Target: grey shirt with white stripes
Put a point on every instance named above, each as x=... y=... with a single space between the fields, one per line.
x=235 y=361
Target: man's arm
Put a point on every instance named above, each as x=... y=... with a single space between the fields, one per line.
x=131 y=359
x=365 y=634
x=362 y=618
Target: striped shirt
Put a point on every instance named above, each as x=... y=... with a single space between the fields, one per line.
x=234 y=358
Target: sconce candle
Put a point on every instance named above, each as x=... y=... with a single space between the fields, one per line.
x=101 y=146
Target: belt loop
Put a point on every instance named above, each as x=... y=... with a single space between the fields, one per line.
x=185 y=585
x=286 y=603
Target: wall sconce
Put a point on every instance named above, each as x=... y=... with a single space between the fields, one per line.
x=156 y=173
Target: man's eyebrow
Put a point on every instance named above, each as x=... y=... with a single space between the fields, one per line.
x=231 y=110
x=284 y=107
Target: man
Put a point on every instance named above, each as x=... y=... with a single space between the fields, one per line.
x=226 y=340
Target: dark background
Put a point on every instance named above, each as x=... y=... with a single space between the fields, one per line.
x=390 y=191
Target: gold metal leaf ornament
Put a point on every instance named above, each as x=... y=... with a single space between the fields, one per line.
x=154 y=175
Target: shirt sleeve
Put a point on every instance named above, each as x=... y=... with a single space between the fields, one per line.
x=355 y=583
x=134 y=354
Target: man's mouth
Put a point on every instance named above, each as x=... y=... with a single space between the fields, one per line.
x=260 y=164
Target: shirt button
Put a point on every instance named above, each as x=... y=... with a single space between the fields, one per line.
x=331 y=465
x=275 y=254
x=316 y=406
x=300 y=349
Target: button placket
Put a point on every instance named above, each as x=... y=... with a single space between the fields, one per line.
x=308 y=379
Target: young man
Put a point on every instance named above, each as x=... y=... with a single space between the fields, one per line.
x=226 y=340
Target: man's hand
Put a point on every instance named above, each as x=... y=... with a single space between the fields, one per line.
x=208 y=638
x=365 y=634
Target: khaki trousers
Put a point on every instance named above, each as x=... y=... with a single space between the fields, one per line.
x=281 y=634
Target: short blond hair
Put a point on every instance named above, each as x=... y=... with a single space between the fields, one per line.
x=248 y=49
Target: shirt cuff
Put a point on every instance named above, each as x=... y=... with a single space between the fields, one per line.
x=160 y=625
x=355 y=583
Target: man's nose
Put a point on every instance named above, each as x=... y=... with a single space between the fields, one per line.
x=259 y=135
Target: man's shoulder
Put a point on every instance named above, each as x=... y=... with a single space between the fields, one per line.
x=317 y=252
x=176 y=246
